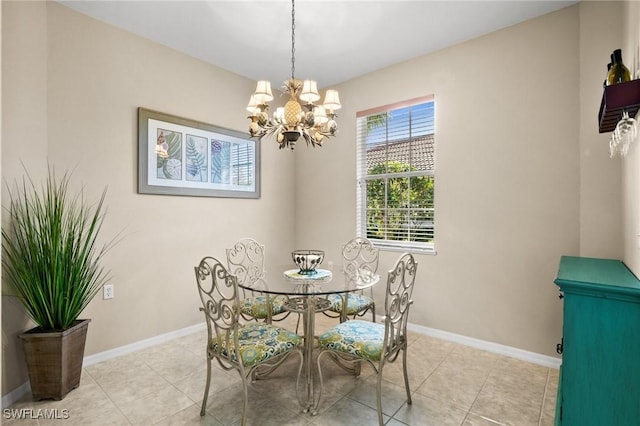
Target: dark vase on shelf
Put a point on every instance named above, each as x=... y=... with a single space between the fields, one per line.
x=618 y=73
x=609 y=65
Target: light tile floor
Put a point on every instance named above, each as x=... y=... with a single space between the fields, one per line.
x=451 y=384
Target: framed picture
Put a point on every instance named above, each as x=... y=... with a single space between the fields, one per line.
x=177 y=156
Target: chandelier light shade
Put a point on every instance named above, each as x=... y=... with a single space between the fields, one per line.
x=300 y=116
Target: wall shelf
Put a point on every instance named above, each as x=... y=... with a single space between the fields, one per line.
x=616 y=99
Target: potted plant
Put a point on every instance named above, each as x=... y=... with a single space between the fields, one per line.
x=52 y=263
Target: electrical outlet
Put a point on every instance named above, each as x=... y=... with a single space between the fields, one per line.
x=107 y=291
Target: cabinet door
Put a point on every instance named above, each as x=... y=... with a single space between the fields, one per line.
x=601 y=360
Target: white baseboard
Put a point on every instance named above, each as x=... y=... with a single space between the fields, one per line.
x=142 y=344
x=544 y=360
x=15 y=395
x=533 y=357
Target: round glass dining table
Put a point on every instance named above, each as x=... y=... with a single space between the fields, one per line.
x=307 y=296
x=290 y=281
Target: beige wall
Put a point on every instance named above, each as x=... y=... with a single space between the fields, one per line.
x=509 y=163
x=75 y=86
x=24 y=139
x=600 y=176
x=631 y=164
x=511 y=167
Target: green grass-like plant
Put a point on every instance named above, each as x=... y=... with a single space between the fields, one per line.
x=49 y=249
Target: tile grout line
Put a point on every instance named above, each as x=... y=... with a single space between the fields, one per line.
x=493 y=368
x=107 y=395
x=544 y=397
x=159 y=374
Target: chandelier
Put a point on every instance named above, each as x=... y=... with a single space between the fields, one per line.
x=299 y=116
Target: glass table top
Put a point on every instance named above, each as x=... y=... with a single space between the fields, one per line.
x=288 y=280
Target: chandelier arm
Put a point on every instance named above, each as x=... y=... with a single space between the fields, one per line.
x=310 y=140
x=268 y=130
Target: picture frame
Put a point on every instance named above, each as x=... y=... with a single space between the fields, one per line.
x=179 y=156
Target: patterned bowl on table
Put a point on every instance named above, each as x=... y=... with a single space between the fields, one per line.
x=307 y=260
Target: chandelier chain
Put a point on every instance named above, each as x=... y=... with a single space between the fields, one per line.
x=293 y=39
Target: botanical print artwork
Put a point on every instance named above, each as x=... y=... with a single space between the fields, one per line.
x=220 y=161
x=178 y=156
x=197 y=159
x=169 y=155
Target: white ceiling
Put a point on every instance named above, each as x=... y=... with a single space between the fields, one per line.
x=335 y=40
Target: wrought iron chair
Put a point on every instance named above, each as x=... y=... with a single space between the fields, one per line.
x=240 y=347
x=245 y=260
x=357 y=255
x=355 y=341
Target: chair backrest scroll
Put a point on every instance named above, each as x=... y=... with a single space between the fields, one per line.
x=359 y=253
x=245 y=260
x=218 y=291
x=400 y=282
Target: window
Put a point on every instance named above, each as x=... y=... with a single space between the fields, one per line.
x=395 y=175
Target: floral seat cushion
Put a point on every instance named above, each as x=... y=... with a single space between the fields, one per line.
x=258 y=342
x=356 y=302
x=257 y=306
x=363 y=339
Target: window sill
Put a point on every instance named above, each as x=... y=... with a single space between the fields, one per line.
x=405 y=249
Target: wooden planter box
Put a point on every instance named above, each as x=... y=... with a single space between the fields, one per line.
x=54 y=360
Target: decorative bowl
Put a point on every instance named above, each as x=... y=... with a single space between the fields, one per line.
x=307 y=260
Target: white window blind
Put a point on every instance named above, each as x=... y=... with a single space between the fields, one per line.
x=396 y=175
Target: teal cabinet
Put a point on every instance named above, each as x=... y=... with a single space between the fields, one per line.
x=600 y=376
